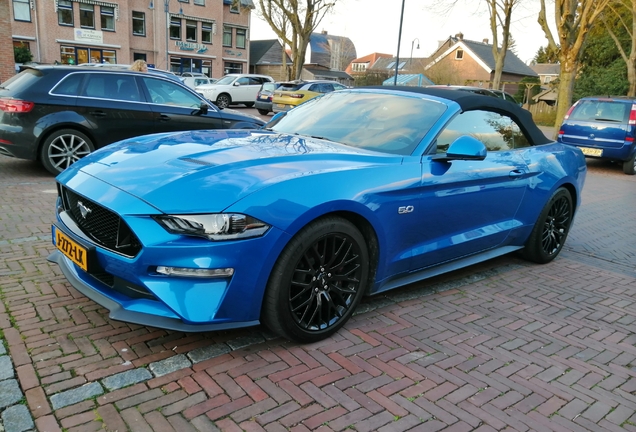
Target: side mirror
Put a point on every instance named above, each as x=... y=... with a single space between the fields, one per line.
x=236 y=84
x=277 y=117
x=464 y=148
x=204 y=108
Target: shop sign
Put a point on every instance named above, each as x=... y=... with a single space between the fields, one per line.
x=93 y=36
x=234 y=53
x=191 y=46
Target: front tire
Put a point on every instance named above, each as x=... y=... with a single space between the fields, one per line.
x=223 y=101
x=63 y=148
x=629 y=166
x=317 y=281
x=551 y=229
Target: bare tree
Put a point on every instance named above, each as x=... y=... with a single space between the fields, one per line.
x=614 y=9
x=573 y=19
x=293 y=21
x=500 y=16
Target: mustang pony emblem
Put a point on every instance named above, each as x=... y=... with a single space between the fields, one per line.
x=84 y=211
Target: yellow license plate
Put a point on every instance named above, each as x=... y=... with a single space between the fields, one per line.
x=591 y=151
x=280 y=105
x=72 y=250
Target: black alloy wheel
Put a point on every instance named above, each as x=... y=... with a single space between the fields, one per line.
x=317 y=282
x=551 y=229
x=223 y=101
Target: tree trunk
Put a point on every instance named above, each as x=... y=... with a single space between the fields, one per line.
x=499 y=62
x=631 y=75
x=566 y=88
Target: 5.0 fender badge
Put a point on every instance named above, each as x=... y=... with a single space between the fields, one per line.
x=405 y=209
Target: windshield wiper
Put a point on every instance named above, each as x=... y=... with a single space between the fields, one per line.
x=321 y=138
x=607 y=119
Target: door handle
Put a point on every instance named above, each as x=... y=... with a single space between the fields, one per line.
x=517 y=173
x=97 y=113
x=164 y=118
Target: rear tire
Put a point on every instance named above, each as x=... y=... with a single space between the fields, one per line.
x=63 y=148
x=629 y=166
x=317 y=281
x=263 y=111
x=249 y=104
x=551 y=229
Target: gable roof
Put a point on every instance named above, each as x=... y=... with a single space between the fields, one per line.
x=319 y=72
x=547 y=68
x=369 y=58
x=482 y=53
x=267 y=51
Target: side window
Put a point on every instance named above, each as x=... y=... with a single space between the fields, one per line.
x=255 y=81
x=314 y=88
x=243 y=81
x=99 y=85
x=326 y=88
x=69 y=86
x=127 y=89
x=165 y=92
x=497 y=132
x=339 y=87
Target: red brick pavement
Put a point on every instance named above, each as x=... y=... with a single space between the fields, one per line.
x=505 y=345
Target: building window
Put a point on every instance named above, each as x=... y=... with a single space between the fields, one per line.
x=21 y=10
x=191 y=31
x=233 y=68
x=139 y=23
x=199 y=2
x=67 y=55
x=234 y=7
x=206 y=32
x=109 y=57
x=547 y=79
x=65 y=13
x=240 y=37
x=139 y=56
x=227 y=36
x=459 y=54
x=108 y=18
x=175 y=28
x=87 y=15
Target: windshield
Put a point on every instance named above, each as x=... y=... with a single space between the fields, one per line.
x=22 y=81
x=228 y=79
x=291 y=86
x=601 y=110
x=374 y=121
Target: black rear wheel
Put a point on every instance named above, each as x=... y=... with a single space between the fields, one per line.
x=317 y=282
x=63 y=148
x=629 y=166
x=551 y=229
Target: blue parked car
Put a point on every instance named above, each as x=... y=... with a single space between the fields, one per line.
x=352 y=193
x=603 y=127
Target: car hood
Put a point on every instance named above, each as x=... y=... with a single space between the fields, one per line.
x=207 y=171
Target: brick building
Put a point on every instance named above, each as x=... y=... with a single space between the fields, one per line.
x=209 y=36
x=7 y=67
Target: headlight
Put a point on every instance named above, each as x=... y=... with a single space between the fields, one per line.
x=219 y=226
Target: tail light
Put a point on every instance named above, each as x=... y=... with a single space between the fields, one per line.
x=16 y=105
x=632 y=115
x=297 y=95
x=567 y=115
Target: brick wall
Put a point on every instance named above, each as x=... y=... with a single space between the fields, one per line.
x=7 y=65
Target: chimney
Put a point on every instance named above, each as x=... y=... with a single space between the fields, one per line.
x=324 y=32
x=485 y=41
x=460 y=36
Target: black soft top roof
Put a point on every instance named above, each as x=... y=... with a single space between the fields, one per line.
x=469 y=101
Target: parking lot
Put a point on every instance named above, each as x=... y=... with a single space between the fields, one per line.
x=504 y=345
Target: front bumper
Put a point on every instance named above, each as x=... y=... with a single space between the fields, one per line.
x=132 y=290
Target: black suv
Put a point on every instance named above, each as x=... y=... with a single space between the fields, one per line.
x=59 y=114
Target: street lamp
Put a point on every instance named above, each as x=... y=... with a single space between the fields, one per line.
x=418 y=47
x=397 y=59
x=166 y=8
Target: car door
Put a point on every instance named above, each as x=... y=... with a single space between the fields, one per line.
x=469 y=206
x=176 y=108
x=114 y=107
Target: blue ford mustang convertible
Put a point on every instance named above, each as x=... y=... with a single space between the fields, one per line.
x=350 y=194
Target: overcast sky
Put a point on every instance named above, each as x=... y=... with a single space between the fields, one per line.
x=373 y=26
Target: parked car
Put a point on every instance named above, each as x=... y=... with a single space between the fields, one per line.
x=352 y=193
x=291 y=94
x=503 y=95
x=263 y=101
x=59 y=114
x=194 y=79
x=603 y=127
x=234 y=89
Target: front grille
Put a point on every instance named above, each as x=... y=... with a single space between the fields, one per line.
x=105 y=227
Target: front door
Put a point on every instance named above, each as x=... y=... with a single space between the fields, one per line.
x=470 y=206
